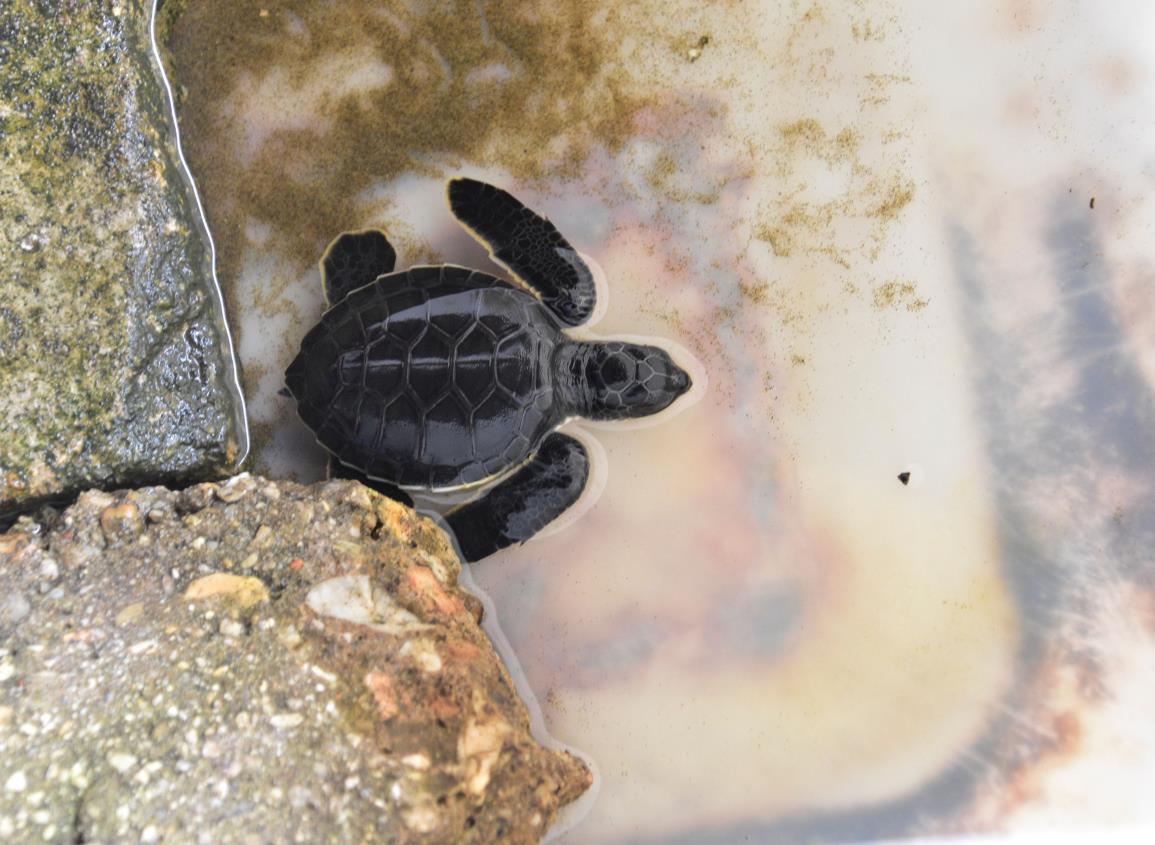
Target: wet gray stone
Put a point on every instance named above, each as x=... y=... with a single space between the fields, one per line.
x=113 y=368
x=258 y=661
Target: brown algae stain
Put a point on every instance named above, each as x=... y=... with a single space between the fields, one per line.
x=528 y=87
x=803 y=222
x=896 y=294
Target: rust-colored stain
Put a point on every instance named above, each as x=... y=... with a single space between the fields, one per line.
x=1020 y=17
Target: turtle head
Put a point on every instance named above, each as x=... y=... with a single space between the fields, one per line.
x=616 y=380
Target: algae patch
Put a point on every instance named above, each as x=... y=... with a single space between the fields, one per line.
x=356 y=94
x=113 y=368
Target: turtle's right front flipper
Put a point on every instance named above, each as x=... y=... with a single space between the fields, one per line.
x=354 y=260
x=523 y=504
x=529 y=245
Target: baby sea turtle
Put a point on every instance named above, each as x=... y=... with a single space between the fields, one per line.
x=440 y=378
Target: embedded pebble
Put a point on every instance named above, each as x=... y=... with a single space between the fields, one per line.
x=129 y=614
x=121 y=521
x=49 y=569
x=236 y=488
x=244 y=590
x=352 y=598
x=14 y=608
x=17 y=782
x=121 y=761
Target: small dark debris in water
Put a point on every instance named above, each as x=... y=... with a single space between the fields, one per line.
x=695 y=52
x=904 y=477
x=1092 y=203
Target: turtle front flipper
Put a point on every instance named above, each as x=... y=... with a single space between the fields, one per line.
x=354 y=260
x=392 y=491
x=523 y=504
x=529 y=245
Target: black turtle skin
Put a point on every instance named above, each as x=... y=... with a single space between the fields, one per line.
x=442 y=378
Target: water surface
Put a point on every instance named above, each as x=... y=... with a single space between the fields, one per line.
x=871 y=224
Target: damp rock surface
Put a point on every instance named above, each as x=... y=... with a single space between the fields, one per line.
x=113 y=369
x=256 y=661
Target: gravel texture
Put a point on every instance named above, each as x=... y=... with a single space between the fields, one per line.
x=256 y=661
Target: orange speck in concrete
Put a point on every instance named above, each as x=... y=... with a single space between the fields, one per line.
x=429 y=592
x=462 y=650
x=382 y=688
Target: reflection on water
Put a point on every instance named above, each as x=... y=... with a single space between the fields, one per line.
x=882 y=252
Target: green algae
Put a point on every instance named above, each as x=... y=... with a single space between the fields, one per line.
x=113 y=368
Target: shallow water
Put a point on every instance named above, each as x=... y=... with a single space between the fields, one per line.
x=871 y=225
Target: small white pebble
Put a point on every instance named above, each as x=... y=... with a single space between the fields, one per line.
x=232 y=628
x=424 y=654
x=121 y=761
x=322 y=674
x=149 y=835
x=416 y=761
x=290 y=637
x=142 y=647
x=49 y=569
x=7 y=670
x=17 y=782
x=287 y=720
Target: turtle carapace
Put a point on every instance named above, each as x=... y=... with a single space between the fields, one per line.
x=438 y=378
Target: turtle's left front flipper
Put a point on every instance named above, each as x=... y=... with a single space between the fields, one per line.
x=353 y=260
x=529 y=245
x=523 y=504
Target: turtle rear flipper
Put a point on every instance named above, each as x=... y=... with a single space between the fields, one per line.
x=354 y=260
x=529 y=245
x=523 y=504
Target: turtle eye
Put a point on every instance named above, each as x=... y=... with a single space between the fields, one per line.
x=615 y=372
